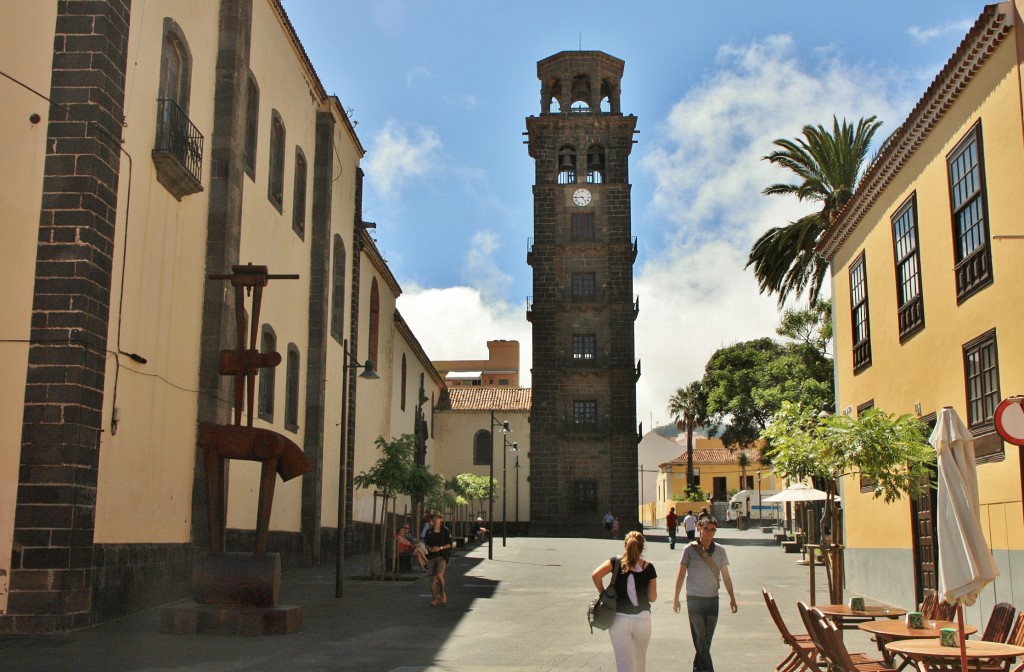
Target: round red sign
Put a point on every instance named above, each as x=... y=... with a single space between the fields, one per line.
x=1009 y=419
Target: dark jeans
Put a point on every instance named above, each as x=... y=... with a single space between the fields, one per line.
x=691 y=535
x=672 y=536
x=703 y=613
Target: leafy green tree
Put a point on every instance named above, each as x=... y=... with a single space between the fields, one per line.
x=689 y=407
x=891 y=452
x=827 y=165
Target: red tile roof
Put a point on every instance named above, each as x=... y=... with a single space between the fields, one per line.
x=476 y=399
x=715 y=456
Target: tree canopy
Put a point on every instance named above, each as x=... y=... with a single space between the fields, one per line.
x=827 y=165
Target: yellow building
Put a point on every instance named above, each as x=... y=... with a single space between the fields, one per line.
x=717 y=470
x=926 y=276
x=175 y=149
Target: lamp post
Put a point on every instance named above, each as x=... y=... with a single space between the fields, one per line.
x=349 y=362
x=515 y=449
x=760 y=511
x=490 y=487
x=504 y=485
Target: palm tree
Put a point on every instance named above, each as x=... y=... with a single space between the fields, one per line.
x=828 y=165
x=689 y=408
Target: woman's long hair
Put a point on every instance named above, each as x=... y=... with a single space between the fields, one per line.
x=634 y=549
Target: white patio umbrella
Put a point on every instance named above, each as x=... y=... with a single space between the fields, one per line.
x=965 y=561
x=798 y=492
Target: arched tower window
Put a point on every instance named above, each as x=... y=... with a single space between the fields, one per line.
x=265 y=407
x=581 y=93
x=552 y=95
x=482 y=447
x=567 y=165
x=374 y=323
x=404 y=373
x=595 y=164
x=338 y=289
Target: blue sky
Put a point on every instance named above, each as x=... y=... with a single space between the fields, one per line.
x=440 y=91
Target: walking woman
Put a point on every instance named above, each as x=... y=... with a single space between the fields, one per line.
x=636 y=586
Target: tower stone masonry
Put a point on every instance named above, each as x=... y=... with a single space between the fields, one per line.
x=583 y=431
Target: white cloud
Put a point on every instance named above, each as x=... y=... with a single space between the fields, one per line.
x=419 y=72
x=695 y=295
x=396 y=158
x=927 y=34
x=457 y=322
x=483 y=269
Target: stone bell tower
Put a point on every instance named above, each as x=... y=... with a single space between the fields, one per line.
x=583 y=432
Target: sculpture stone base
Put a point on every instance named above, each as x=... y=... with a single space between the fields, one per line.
x=192 y=619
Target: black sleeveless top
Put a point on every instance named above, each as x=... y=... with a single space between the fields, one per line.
x=641 y=580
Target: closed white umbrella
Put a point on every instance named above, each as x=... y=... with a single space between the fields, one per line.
x=965 y=561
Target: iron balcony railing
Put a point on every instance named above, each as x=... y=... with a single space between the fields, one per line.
x=179 y=137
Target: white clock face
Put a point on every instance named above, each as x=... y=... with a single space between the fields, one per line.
x=581 y=197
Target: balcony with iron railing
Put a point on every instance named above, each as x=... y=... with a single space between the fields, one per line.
x=178 y=154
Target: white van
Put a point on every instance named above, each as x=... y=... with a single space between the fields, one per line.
x=747 y=500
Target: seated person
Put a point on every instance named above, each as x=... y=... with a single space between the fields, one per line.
x=477 y=530
x=407 y=546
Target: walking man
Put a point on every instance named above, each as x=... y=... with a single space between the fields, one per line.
x=608 y=520
x=672 y=522
x=690 y=525
x=703 y=566
x=439 y=548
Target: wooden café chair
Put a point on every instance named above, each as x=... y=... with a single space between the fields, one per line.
x=1016 y=638
x=842 y=660
x=803 y=655
x=998 y=627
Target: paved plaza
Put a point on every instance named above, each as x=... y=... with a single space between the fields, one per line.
x=523 y=610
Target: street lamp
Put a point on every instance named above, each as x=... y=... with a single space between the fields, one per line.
x=760 y=511
x=504 y=484
x=490 y=486
x=515 y=449
x=349 y=362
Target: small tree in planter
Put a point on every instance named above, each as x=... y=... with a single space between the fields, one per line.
x=395 y=473
x=890 y=451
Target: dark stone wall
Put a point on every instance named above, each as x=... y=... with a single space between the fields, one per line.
x=318 y=331
x=51 y=571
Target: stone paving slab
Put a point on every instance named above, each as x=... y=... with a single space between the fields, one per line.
x=522 y=611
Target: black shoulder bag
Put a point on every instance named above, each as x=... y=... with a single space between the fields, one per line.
x=601 y=611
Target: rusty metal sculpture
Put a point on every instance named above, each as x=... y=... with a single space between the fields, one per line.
x=237 y=592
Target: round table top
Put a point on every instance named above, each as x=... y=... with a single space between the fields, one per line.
x=869 y=611
x=932 y=648
x=899 y=628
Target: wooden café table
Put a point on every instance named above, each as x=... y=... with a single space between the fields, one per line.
x=848 y=618
x=886 y=632
x=933 y=657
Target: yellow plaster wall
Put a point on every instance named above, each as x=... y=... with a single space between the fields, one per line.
x=26 y=51
x=927 y=369
x=453 y=454
x=149 y=460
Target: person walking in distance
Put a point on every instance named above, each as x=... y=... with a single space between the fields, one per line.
x=690 y=525
x=636 y=585
x=439 y=548
x=608 y=520
x=672 y=522
x=703 y=566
